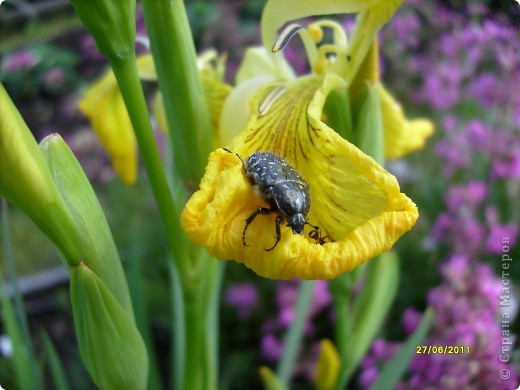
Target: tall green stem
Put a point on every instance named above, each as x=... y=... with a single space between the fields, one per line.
x=200 y=302
x=190 y=131
x=294 y=335
x=125 y=71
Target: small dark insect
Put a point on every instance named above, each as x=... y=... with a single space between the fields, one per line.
x=278 y=183
x=316 y=235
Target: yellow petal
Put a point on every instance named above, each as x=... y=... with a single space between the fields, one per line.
x=327 y=367
x=258 y=62
x=277 y=12
x=368 y=23
x=159 y=113
x=402 y=136
x=237 y=108
x=103 y=104
x=146 y=68
x=216 y=93
x=355 y=202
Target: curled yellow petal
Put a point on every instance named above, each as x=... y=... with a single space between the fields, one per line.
x=327 y=368
x=402 y=135
x=355 y=202
x=103 y=104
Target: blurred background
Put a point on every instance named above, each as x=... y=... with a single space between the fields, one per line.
x=456 y=62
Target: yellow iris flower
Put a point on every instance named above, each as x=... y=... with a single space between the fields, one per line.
x=356 y=203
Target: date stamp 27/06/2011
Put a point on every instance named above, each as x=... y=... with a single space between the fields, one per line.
x=442 y=349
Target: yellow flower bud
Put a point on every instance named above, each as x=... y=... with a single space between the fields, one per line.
x=327 y=368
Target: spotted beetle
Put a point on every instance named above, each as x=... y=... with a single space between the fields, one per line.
x=279 y=184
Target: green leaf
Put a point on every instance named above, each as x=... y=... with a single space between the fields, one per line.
x=294 y=335
x=338 y=115
x=395 y=368
x=369 y=131
x=369 y=311
x=59 y=379
x=136 y=281
x=110 y=344
x=270 y=380
x=18 y=303
x=24 y=363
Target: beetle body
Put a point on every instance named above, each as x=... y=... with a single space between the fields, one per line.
x=279 y=184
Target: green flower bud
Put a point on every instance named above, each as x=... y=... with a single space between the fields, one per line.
x=26 y=182
x=110 y=344
x=111 y=23
x=96 y=249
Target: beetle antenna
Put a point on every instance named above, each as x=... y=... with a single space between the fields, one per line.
x=240 y=158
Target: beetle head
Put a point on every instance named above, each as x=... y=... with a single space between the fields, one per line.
x=296 y=222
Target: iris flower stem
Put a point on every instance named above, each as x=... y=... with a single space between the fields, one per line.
x=294 y=335
x=342 y=323
x=200 y=303
x=341 y=290
x=370 y=139
x=189 y=126
x=127 y=77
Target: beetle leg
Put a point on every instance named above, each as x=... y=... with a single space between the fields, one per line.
x=278 y=233
x=250 y=219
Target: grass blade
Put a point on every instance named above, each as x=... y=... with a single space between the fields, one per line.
x=59 y=379
x=25 y=366
x=395 y=368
